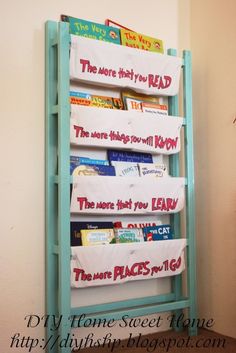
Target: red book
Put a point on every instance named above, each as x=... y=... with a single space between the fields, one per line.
x=111 y=23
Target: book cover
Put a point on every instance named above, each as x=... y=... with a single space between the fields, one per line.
x=139 y=224
x=127 y=156
x=87 y=99
x=92 y=169
x=94 y=161
x=158 y=109
x=112 y=23
x=152 y=170
x=141 y=41
x=162 y=232
x=129 y=235
x=133 y=104
x=76 y=227
x=92 y=30
x=126 y=168
x=133 y=100
x=75 y=161
x=97 y=236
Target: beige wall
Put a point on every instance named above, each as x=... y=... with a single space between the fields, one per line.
x=22 y=255
x=213 y=34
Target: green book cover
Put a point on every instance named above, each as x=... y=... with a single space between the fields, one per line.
x=140 y=41
x=92 y=30
x=129 y=235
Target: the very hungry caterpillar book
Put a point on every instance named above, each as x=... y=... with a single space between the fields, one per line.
x=92 y=30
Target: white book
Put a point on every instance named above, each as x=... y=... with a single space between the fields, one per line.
x=126 y=168
x=158 y=170
x=158 y=109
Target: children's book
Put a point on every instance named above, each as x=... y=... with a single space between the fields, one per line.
x=158 y=109
x=139 y=224
x=125 y=168
x=92 y=30
x=87 y=99
x=111 y=23
x=76 y=227
x=152 y=170
x=75 y=161
x=129 y=235
x=133 y=101
x=90 y=169
x=140 y=41
x=133 y=104
x=127 y=156
x=97 y=236
x=162 y=232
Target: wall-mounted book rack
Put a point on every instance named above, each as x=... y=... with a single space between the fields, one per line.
x=58 y=181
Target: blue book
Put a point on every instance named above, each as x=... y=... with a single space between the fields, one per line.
x=127 y=156
x=75 y=161
x=80 y=95
x=162 y=232
x=76 y=227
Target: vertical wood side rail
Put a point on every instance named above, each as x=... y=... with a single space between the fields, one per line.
x=64 y=293
x=174 y=165
x=190 y=198
x=51 y=187
x=58 y=195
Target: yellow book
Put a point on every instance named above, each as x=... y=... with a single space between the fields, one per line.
x=133 y=100
x=97 y=236
x=140 y=41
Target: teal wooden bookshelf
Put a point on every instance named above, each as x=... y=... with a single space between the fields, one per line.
x=58 y=181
